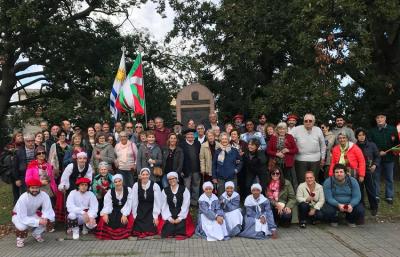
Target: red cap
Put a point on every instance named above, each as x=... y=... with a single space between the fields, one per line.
x=238 y=116
x=82 y=180
x=33 y=182
x=292 y=116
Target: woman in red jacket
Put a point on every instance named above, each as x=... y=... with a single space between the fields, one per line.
x=349 y=154
x=281 y=150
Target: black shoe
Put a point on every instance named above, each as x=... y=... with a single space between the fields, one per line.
x=303 y=225
x=389 y=201
x=374 y=212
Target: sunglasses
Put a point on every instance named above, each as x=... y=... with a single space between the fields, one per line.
x=308 y=121
x=322 y=127
x=39 y=153
x=138 y=127
x=129 y=127
x=275 y=173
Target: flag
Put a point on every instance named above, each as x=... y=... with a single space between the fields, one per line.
x=118 y=81
x=131 y=97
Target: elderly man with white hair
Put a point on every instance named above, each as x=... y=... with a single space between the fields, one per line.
x=311 y=144
x=177 y=220
x=259 y=219
x=79 y=169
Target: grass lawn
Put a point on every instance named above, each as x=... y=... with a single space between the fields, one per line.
x=6 y=203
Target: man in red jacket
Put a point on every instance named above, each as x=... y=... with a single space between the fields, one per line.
x=349 y=154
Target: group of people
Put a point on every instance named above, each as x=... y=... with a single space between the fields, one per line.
x=131 y=182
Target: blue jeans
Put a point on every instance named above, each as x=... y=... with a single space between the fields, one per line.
x=330 y=213
x=387 y=168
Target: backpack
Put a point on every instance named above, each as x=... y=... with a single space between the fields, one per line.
x=6 y=166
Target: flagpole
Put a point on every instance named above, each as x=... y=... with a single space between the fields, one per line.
x=140 y=48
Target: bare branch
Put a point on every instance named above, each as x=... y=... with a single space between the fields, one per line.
x=31 y=74
x=27 y=84
x=22 y=66
x=28 y=100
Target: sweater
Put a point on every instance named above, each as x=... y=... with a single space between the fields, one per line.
x=311 y=144
x=347 y=192
x=303 y=193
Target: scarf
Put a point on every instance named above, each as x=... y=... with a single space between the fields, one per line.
x=102 y=146
x=221 y=155
x=343 y=151
x=250 y=201
x=273 y=190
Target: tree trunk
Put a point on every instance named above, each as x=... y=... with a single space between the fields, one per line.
x=8 y=82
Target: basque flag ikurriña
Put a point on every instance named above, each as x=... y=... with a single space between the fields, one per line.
x=118 y=81
x=131 y=95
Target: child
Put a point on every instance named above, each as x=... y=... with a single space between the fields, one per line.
x=230 y=204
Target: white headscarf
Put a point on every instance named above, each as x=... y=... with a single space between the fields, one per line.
x=117 y=176
x=229 y=184
x=207 y=184
x=173 y=174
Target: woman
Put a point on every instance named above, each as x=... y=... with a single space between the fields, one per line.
x=310 y=196
x=255 y=166
x=39 y=139
x=228 y=128
x=241 y=146
x=259 y=220
x=207 y=153
x=150 y=156
x=372 y=158
x=146 y=205
x=281 y=195
x=230 y=204
x=46 y=135
x=172 y=158
x=101 y=183
x=226 y=163
x=102 y=151
x=57 y=153
x=76 y=147
x=269 y=131
x=142 y=139
x=125 y=162
x=116 y=219
x=281 y=150
x=329 y=142
x=111 y=140
x=211 y=221
x=176 y=219
x=89 y=141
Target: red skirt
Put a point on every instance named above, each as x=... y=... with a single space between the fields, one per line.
x=146 y=234
x=105 y=232
x=60 y=208
x=189 y=225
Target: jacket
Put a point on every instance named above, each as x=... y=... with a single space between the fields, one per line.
x=177 y=162
x=229 y=168
x=370 y=152
x=384 y=138
x=255 y=165
x=206 y=158
x=186 y=169
x=302 y=194
x=289 y=143
x=286 y=195
x=354 y=158
x=143 y=157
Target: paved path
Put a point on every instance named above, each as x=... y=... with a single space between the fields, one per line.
x=368 y=240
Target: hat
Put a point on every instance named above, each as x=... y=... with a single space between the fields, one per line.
x=177 y=123
x=172 y=174
x=229 y=184
x=380 y=113
x=188 y=131
x=117 y=176
x=256 y=186
x=82 y=180
x=292 y=117
x=76 y=126
x=81 y=154
x=238 y=116
x=207 y=184
x=33 y=182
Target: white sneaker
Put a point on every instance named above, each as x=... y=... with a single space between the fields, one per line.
x=75 y=235
x=20 y=242
x=38 y=238
x=85 y=230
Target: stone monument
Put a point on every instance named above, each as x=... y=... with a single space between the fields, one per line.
x=194 y=101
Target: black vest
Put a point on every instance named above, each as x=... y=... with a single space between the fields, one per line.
x=118 y=204
x=76 y=174
x=175 y=210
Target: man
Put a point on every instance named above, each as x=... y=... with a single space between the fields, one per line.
x=201 y=134
x=291 y=122
x=161 y=132
x=262 y=124
x=342 y=193
x=106 y=128
x=32 y=210
x=23 y=156
x=212 y=122
x=79 y=169
x=44 y=125
x=52 y=139
x=238 y=123
x=178 y=130
x=129 y=131
x=191 y=165
x=150 y=124
x=341 y=128
x=117 y=130
x=385 y=137
x=251 y=133
x=350 y=155
x=66 y=127
x=82 y=206
x=311 y=144
x=138 y=129
x=98 y=127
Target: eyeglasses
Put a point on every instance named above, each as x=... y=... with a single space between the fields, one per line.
x=308 y=121
x=129 y=127
x=39 y=153
x=138 y=127
x=275 y=173
x=322 y=127
x=171 y=178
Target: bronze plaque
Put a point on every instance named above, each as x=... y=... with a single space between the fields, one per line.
x=199 y=115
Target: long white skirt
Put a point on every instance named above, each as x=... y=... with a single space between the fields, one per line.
x=212 y=229
x=233 y=219
x=261 y=227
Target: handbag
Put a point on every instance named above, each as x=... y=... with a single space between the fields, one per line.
x=157 y=171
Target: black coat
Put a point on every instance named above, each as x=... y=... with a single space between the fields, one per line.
x=178 y=159
x=20 y=164
x=187 y=171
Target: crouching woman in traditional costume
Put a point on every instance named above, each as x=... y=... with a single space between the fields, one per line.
x=146 y=205
x=116 y=220
x=177 y=221
x=259 y=220
x=211 y=224
x=230 y=204
x=82 y=208
x=32 y=210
